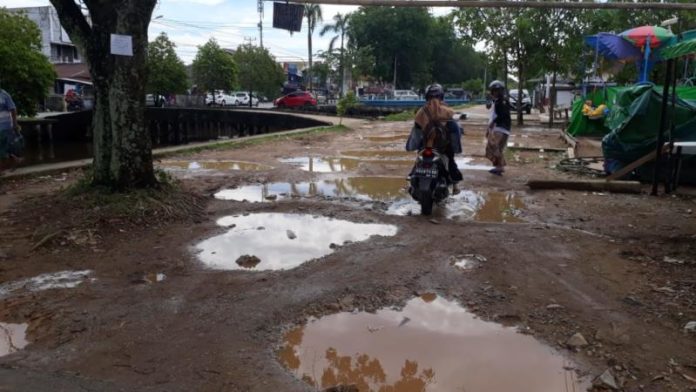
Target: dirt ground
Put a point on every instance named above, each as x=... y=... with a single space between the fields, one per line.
x=620 y=269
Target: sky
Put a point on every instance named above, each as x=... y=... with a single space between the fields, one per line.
x=190 y=23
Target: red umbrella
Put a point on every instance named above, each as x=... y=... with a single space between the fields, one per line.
x=638 y=36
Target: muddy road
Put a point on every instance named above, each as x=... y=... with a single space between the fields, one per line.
x=309 y=268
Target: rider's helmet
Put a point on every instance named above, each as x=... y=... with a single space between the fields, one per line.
x=434 y=91
x=496 y=85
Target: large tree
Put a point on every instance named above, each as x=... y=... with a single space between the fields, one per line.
x=340 y=28
x=122 y=145
x=313 y=14
x=25 y=72
x=214 y=68
x=167 y=73
x=258 y=70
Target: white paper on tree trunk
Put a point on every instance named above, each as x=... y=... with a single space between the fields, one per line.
x=121 y=45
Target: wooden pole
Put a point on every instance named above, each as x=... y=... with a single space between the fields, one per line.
x=664 y=121
x=508 y=4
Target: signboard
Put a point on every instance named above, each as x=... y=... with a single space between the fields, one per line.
x=121 y=45
x=288 y=16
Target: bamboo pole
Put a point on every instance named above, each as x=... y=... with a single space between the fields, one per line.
x=506 y=4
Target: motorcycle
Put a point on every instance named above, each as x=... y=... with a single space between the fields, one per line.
x=429 y=179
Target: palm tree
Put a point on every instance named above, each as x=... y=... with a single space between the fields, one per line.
x=339 y=27
x=313 y=14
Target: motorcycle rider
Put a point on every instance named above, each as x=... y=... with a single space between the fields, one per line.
x=436 y=112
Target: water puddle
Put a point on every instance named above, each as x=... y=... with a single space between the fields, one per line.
x=469 y=205
x=281 y=241
x=431 y=345
x=53 y=280
x=338 y=165
x=467 y=163
x=13 y=337
x=467 y=262
x=223 y=165
x=359 y=188
x=380 y=154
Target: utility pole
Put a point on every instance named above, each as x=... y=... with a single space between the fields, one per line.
x=260 y=9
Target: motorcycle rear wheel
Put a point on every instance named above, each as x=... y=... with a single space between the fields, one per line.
x=426 y=202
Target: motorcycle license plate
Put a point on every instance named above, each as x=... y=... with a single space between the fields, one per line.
x=427 y=172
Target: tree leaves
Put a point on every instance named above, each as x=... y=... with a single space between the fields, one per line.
x=214 y=68
x=25 y=72
x=258 y=70
x=167 y=73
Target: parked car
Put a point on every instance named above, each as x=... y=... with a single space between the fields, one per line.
x=526 y=101
x=221 y=99
x=405 y=95
x=321 y=96
x=242 y=98
x=150 y=100
x=296 y=99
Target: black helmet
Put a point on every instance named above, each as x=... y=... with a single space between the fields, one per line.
x=434 y=91
x=496 y=85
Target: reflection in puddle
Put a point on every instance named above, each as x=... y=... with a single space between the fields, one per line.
x=13 y=337
x=380 y=154
x=223 y=165
x=360 y=188
x=312 y=238
x=442 y=347
x=469 y=205
x=53 y=280
x=337 y=165
x=466 y=163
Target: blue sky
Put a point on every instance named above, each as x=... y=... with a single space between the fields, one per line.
x=190 y=23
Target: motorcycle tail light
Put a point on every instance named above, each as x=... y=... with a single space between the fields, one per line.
x=428 y=152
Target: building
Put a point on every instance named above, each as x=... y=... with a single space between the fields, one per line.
x=55 y=42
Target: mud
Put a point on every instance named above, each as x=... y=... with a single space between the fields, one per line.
x=54 y=280
x=430 y=345
x=266 y=238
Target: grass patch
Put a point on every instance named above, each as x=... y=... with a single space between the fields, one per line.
x=233 y=144
x=403 y=116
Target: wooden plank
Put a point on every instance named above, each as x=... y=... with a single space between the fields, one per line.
x=568 y=138
x=571 y=152
x=633 y=166
x=588 y=185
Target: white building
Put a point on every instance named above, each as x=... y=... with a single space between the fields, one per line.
x=55 y=42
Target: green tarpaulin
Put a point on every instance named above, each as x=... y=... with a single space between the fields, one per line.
x=635 y=120
x=619 y=100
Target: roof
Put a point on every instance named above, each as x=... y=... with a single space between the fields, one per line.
x=76 y=71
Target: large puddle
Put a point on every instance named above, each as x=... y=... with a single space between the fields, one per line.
x=380 y=154
x=431 y=345
x=53 y=280
x=222 y=165
x=13 y=337
x=281 y=241
x=359 y=188
x=469 y=205
x=338 y=165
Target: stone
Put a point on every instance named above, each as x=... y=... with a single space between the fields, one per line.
x=690 y=327
x=291 y=234
x=577 y=341
x=606 y=380
x=554 y=306
x=248 y=261
x=271 y=197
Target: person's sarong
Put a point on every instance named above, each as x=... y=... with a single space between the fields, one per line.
x=497 y=141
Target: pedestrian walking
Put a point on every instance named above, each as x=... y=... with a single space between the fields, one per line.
x=499 y=126
x=9 y=128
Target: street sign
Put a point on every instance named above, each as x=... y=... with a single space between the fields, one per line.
x=288 y=16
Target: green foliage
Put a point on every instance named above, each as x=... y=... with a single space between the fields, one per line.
x=473 y=85
x=346 y=103
x=340 y=28
x=214 y=68
x=167 y=73
x=313 y=14
x=258 y=70
x=25 y=73
x=403 y=116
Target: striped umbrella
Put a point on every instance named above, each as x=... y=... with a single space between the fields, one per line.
x=640 y=36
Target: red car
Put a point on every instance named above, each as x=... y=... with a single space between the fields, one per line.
x=296 y=99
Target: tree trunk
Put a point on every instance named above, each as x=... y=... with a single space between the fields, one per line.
x=552 y=96
x=342 y=76
x=309 y=49
x=520 y=81
x=122 y=143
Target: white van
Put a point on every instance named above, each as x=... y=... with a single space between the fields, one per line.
x=405 y=95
